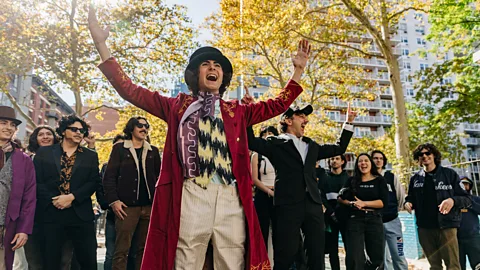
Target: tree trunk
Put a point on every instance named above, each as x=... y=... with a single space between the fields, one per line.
x=78 y=102
x=19 y=110
x=400 y=117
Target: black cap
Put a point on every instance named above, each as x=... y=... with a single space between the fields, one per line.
x=296 y=110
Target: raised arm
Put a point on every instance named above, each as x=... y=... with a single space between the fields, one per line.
x=152 y=102
x=262 y=111
x=331 y=150
x=258 y=145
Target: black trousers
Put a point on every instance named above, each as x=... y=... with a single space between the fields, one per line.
x=365 y=232
x=266 y=214
x=307 y=216
x=469 y=247
x=331 y=242
x=82 y=235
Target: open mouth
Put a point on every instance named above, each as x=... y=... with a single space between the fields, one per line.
x=212 y=77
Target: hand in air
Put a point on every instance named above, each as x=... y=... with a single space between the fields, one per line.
x=99 y=34
x=247 y=99
x=300 y=59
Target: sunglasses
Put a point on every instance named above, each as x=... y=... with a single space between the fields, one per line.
x=424 y=154
x=140 y=125
x=75 y=129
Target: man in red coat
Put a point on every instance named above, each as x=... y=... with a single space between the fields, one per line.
x=204 y=191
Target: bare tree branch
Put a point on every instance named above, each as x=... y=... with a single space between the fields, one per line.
x=321 y=9
x=101 y=106
x=399 y=13
x=17 y=107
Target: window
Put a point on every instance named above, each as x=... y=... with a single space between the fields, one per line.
x=32 y=98
x=446 y=81
x=420 y=30
x=256 y=94
x=39 y=120
x=410 y=92
x=41 y=103
x=421 y=41
x=387 y=104
x=333 y=115
x=423 y=66
x=404 y=39
x=363 y=131
x=403 y=27
x=405 y=52
x=407 y=65
x=450 y=95
x=419 y=16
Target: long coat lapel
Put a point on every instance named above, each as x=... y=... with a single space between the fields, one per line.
x=78 y=160
x=57 y=155
x=311 y=153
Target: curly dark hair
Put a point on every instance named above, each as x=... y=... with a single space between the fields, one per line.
x=270 y=129
x=192 y=77
x=385 y=160
x=357 y=174
x=68 y=120
x=33 y=139
x=130 y=126
x=431 y=148
x=344 y=159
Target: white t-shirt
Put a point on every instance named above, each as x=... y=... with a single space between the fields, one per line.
x=266 y=172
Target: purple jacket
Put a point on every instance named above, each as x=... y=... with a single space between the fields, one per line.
x=21 y=205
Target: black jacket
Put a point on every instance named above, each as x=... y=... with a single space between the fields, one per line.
x=83 y=183
x=293 y=177
x=470 y=226
x=447 y=185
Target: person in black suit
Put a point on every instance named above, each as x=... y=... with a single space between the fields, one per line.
x=67 y=176
x=297 y=200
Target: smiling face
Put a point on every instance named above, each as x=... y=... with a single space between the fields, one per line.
x=296 y=124
x=140 y=131
x=210 y=76
x=364 y=164
x=76 y=136
x=426 y=157
x=7 y=130
x=45 y=137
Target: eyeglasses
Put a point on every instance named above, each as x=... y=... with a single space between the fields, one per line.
x=140 y=125
x=424 y=154
x=75 y=129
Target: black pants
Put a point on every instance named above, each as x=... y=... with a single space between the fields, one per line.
x=469 y=247
x=331 y=242
x=265 y=213
x=83 y=239
x=365 y=232
x=307 y=216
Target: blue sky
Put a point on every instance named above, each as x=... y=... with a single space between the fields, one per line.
x=198 y=10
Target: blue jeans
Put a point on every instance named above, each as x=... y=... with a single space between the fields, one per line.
x=394 y=248
x=109 y=243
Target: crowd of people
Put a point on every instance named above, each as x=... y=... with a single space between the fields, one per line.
x=194 y=208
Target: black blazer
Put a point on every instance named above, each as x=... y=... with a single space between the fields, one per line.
x=84 y=182
x=293 y=178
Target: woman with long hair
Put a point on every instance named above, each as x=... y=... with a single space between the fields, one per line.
x=366 y=193
x=41 y=136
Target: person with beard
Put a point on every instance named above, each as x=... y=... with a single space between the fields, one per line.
x=469 y=232
x=205 y=186
x=129 y=184
x=297 y=200
x=367 y=194
x=67 y=176
x=436 y=196
x=330 y=183
x=17 y=191
x=394 y=253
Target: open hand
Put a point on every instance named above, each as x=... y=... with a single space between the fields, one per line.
x=19 y=240
x=300 y=59
x=446 y=206
x=117 y=208
x=247 y=99
x=99 y=35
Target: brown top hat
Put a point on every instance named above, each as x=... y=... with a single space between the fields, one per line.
x=9 y=114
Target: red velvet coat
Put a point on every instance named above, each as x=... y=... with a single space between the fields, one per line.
x=163 y=233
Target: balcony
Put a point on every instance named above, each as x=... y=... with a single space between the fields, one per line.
x=372 y=63
x=365 y=119
x=373 y=134
x=381 y=77
x=472 y=141
x=471 y=127
x=376 y=105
